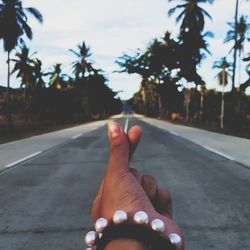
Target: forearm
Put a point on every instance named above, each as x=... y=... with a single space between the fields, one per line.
x=125 y=244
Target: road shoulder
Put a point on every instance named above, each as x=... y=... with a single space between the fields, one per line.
x=18 y=151
x=230 y=147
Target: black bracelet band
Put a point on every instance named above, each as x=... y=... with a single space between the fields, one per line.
x=149 y=238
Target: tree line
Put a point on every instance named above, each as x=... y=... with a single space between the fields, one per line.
x=52 y=95
x=168 y=66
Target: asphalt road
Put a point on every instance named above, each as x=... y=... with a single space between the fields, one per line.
x=45 y=201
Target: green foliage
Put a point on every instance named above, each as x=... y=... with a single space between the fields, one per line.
x=13 y=22
x=224 y=74
x=192 y=39
x=242 y=29
x=82 y=66
x=64 y=99
x=24 y=66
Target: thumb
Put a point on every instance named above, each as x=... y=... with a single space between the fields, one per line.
x=119 y=148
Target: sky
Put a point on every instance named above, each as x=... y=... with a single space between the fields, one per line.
x=114 y=27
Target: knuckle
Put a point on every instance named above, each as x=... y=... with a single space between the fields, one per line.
x=116 y=143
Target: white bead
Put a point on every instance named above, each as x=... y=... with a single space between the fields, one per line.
x=141 y=217
x=100 y=224
x=158 y=225
x=90 y=238
x=120 y=216
x=175 y=239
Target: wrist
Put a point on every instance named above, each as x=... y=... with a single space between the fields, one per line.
x=124 y=244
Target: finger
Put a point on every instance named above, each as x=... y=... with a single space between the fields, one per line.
x=134 y=135
x=136 y=174
x=119 y=148
x=150 y=186
x=164 y=202
x=97 y=202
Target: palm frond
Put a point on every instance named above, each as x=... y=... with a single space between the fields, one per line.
x=206 y=14
x=180 y=16
x=74 y=52
x=208 y=34
x=27 y=30
x=172 y=10
x=36 y=13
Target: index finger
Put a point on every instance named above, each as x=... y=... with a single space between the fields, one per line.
x=134 y=135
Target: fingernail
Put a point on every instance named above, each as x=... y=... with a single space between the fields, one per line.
x=114 y=130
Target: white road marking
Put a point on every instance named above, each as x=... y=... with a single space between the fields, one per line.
x=170 y=131
x=126 y=126
x=219 y=153
x=23 y=159
x=76 y=136
x=173 y=133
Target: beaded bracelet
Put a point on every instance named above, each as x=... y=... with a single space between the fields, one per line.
x=120 y=217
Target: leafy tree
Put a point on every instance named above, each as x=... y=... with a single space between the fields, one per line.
x=13 y=25
x=154 y=65
x=158 y=59
x=136 y=64
x=101 y=98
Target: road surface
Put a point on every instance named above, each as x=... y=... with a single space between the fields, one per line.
x=45 y=200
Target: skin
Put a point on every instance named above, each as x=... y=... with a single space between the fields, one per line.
x=133 y=192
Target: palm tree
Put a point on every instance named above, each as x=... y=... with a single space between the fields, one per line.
x=223 y=78
x=246 y=84
x=57 y=77
x=82 y=65
x=38 y=73
x=13 y=25
x=242 y=28
x=192 y=15
x=24 y=66
x=235 y=42
x=192 y=39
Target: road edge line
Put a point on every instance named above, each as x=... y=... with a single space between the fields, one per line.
x=22 y=160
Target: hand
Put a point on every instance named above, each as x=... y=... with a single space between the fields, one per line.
x=123 y=188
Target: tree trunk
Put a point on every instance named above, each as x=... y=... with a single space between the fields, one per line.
x=9 y=117
x=187 y=99
x=235 y=48
x=202 y=104
x=222 y=101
